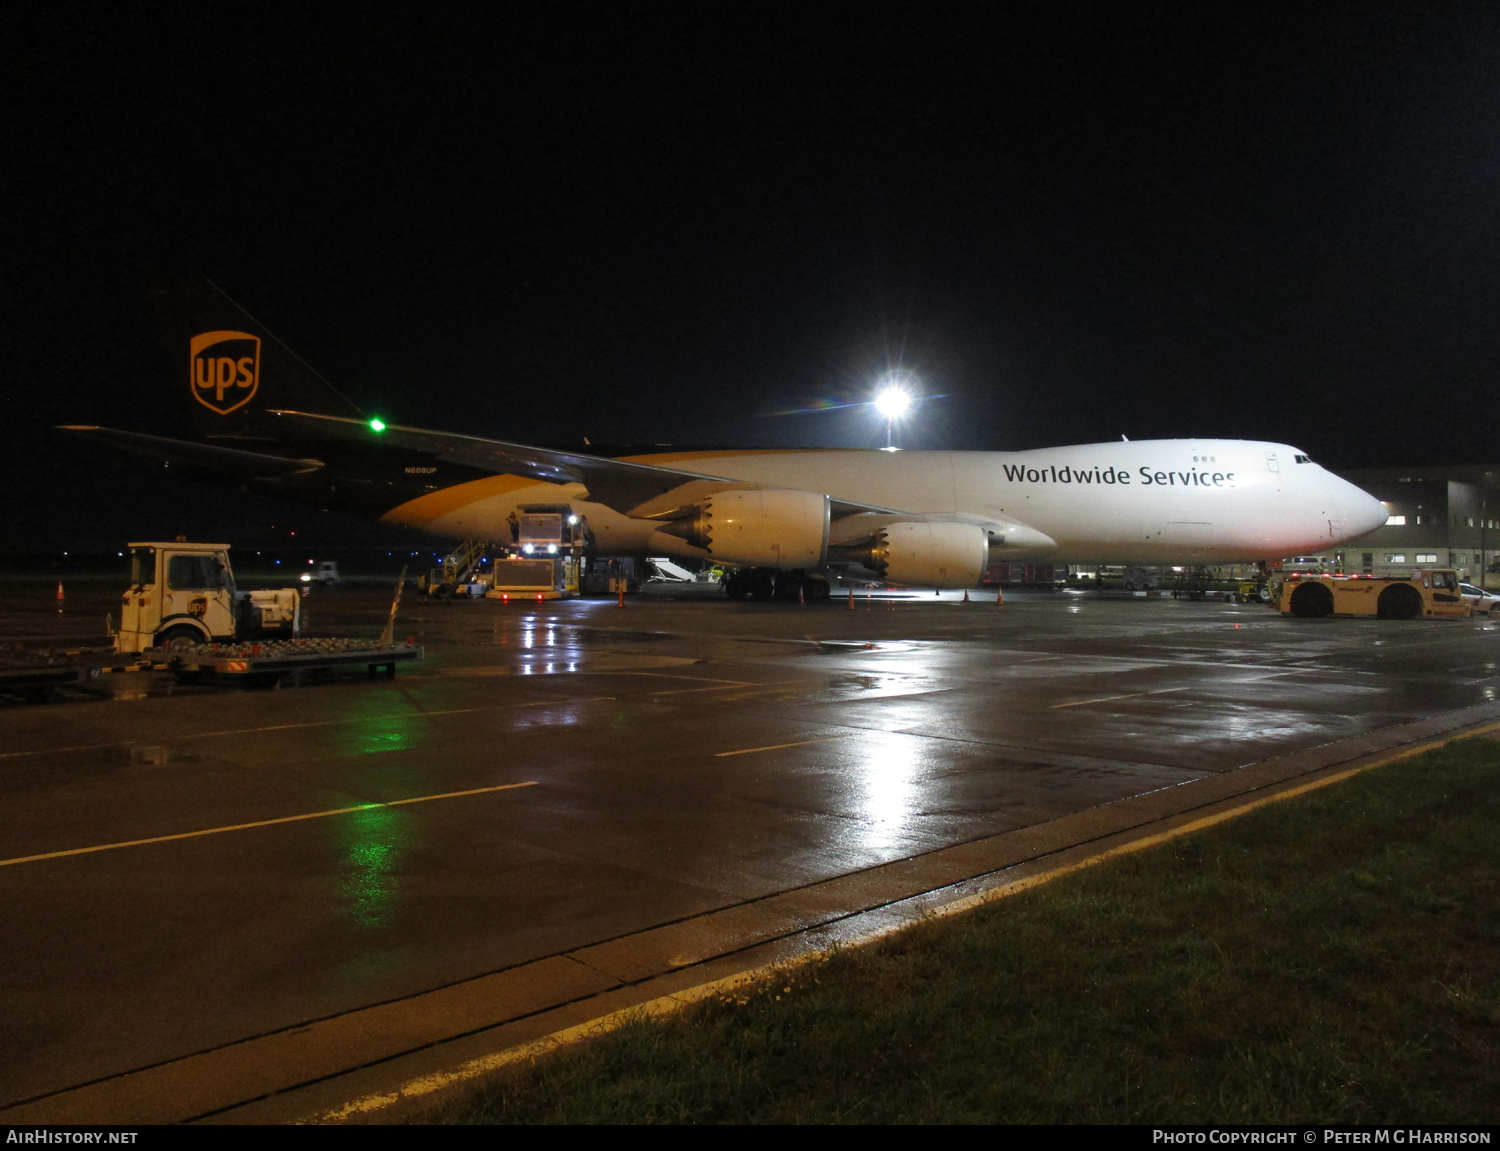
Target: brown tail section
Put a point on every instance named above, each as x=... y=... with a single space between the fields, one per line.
x=229 y=369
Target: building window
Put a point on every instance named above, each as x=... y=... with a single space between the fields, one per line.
x=1471 y=521
x=1395 y=521
x=1419 y=521
x=1427 y=557
x=1395 y=557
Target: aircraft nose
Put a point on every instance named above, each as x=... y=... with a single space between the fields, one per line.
x=1363 y=513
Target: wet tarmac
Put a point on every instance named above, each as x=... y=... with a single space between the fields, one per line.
x=582 y=772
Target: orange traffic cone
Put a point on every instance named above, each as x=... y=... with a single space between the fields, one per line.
x=621 y=601
x=801 y=595
x=851 y=599
x=1000 y=596
x=966 y=595
x=59 y=595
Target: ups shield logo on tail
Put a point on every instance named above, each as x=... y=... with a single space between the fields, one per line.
x=224 y=369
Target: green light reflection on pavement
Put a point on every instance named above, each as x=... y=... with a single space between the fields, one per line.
x=374 y=840
x=384 y=733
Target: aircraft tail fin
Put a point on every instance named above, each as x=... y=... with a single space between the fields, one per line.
x=230 y=369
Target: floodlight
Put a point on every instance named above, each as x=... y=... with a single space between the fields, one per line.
x=892 y=402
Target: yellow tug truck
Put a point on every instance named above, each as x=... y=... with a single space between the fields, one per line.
x=1423 y=593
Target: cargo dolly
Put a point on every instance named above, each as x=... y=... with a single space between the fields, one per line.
x=272 y=660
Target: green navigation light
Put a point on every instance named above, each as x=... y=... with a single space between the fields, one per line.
x=377 y=425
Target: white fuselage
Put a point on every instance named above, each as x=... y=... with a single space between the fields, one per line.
x=1147 y=501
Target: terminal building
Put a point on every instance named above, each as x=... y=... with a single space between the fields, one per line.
x=1446 y=517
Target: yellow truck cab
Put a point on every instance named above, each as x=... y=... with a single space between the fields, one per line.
x=1432 y=593
x=182 y=594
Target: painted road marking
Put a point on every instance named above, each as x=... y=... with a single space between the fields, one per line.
x=730 y=686
x=779 y=746
x=724 y=684
x=311 y=723
x=261 y=823
x=1109 y=698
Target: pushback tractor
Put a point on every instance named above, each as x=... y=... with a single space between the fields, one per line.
x=1433 y=593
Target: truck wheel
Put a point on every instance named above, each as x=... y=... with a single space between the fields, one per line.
x=179 y=637
x=1312 y=601
x=1399 y=601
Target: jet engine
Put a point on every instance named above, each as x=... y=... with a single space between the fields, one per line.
x=772 y=528
x=929 y=555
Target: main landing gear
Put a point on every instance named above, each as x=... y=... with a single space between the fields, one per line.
x=768 y=583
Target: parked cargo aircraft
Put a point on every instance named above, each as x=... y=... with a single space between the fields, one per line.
x=922 y=518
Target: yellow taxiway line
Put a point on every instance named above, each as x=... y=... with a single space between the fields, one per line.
x=258 y=823
x=1110 y=698
x=779 y=746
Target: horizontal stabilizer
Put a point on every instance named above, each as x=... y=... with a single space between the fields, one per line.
x=198 y=457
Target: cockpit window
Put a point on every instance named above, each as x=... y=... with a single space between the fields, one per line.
x=1303 y=459
x=1445 y=580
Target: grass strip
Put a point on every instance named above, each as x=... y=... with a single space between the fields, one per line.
x=1330 y=958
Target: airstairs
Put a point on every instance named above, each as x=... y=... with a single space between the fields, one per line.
x=461 y=564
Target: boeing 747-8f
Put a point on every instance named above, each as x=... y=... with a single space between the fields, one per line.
x=921 y=518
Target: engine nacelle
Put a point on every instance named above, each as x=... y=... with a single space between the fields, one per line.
x=931 y=555
x=774 y=528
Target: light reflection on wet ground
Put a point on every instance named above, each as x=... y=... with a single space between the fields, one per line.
x=857 y=737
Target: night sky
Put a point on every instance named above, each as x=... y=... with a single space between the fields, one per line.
x=675 y=223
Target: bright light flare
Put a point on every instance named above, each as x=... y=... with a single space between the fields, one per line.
x=892 y=402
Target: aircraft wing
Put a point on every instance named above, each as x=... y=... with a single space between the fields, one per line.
x=621 y=484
